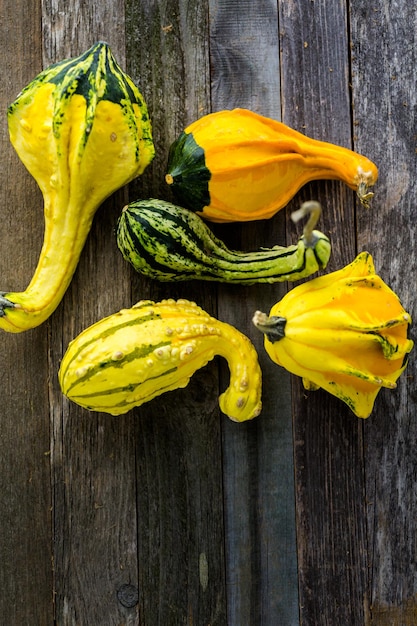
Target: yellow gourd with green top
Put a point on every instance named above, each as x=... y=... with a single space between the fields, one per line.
x=82 y=130
x=240 y=166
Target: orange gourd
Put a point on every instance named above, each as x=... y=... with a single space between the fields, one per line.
x=240 y=166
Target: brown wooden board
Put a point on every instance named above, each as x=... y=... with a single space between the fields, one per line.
x=328 y=444
x=258 y=457
x=385 y=125
x=179 y=459
x=172 y=514
x=25 y=491
x=92 y=455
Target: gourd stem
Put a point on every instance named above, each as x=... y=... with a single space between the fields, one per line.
x=313 y=209
x=273 y=327
x=363 y=194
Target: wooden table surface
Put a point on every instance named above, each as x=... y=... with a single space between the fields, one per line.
x=172 y=514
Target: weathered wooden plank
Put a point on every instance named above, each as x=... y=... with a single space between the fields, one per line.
x=328 y=438
x=179 y=469
x=258 y=457
x=145 y=526
x=384 y=89
x=315 y=86
x=93 y=455
x=180 y=508
x=25 y=495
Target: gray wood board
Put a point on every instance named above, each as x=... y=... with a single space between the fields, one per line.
x=172 y=514
x=328 y=443
x=258 y=457
x=25 y=488
x=384 y=91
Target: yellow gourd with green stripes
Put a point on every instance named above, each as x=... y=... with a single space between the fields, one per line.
x=133 y=356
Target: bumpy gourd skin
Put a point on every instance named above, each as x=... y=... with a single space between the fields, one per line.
x=240 y=166
x=82 y=130
x=345 y=332
x=139 y=353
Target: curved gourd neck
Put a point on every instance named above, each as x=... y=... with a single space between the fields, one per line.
x=327 y=161
x=242 y=399
x=64 y=237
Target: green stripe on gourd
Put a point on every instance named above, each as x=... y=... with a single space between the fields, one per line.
x=169 y=243
x=133 y=356
x=96 y=76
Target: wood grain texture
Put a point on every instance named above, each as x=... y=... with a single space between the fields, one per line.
x=328 y=438
x=92 y=455
x=382 y=39
x=25 y=493
x=258 y=457
x=172 y=514
x=179 y=461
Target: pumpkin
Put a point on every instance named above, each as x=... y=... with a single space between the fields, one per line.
x=240 y=166
x=169 y=243
x=132 y=356
x=82 y=129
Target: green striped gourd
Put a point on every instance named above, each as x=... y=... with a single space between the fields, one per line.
x=134 y=355
x=169 y=243
x=82 y=130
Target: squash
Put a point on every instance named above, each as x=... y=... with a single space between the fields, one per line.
x=344 y=332
x=82 y=130
x=132 y=356
x=169 y=243
x=240 y=166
